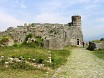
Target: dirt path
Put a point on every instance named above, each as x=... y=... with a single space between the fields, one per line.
x=81 y=64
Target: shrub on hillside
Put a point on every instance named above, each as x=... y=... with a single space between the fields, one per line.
x=3 y=41
x=102 y=39
x=28 y=36
x=22 y=65
x=39 y=41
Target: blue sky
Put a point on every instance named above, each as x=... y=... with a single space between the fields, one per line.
x=18 y=12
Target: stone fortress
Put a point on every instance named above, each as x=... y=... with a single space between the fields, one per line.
x=55 y=36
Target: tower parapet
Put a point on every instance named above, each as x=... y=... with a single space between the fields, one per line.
x=76 y=20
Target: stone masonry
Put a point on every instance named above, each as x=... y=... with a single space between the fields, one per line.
x=55 y=36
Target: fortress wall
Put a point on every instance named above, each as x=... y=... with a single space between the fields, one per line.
x=55 y=36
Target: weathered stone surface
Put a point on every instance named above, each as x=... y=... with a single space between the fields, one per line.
x=95 y=46
x=55 y=36
x=92 y=46
x=99 y=46
x=10 y=42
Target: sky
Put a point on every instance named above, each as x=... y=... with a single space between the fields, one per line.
x=18 y=12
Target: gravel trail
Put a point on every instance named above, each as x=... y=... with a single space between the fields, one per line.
x=81 y=64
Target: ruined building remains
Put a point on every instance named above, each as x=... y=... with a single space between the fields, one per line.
x=55 y=36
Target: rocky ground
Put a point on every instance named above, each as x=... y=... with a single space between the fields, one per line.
x=81 y=64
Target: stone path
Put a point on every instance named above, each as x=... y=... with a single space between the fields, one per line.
x=81 y=64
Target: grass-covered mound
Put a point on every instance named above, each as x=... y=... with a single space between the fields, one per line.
x=4 y=40
x=99 y=54
x=24 y=70
x=98 y=41
x=59 y=57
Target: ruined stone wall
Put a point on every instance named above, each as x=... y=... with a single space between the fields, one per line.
x=55 y=36
x=99 y=45
x=96 y=46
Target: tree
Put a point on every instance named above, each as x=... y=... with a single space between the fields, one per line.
x=28 y=36
x=102 y=39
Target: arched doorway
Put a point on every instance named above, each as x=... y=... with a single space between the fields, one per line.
x=77 y=41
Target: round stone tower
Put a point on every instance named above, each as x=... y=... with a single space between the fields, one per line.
x=76 y=20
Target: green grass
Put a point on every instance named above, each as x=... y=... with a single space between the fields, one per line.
x=99 y=54
x=22 y=70
x=25 y=52
x=24 y=74
x=59 y=57
x=98 y=41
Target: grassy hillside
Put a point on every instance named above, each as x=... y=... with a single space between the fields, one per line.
x=35 y=53
x=99 y=54
x=26 y=52
x=98 y=41
x=22 y=70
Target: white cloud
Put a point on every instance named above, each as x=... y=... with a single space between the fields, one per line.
x=23 y=6
x=55 y=11
x=50 y=6
x=100 y=20
x=50 y=18
x=8 y=20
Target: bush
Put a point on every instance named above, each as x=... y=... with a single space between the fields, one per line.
x=28 y=36
x=3 y=41
x=22 y=65
x=2 y=61
x=40 y=61
x=39 y=41
x=102 y=39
